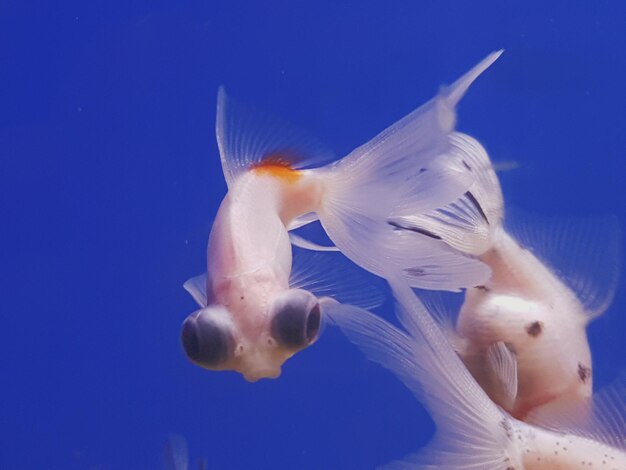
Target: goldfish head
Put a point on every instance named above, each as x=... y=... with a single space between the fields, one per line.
x=213 y=339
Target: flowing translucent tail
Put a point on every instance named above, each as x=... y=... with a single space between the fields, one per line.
x=472 y=432
x=471 y=223
x=416 y=167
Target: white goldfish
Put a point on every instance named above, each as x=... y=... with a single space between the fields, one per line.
x=522 y=333
x=472 y=431
x=252 y=317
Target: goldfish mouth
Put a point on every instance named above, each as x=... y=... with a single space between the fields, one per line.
x=265 y=373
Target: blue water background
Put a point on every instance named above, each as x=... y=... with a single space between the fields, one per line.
x=110 y=177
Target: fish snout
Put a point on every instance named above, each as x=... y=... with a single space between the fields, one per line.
x=256 y=374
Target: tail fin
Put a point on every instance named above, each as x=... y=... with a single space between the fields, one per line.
x=470 y=223
x=398 y=168
x=471 y=431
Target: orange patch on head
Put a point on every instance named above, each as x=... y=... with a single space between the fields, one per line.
x=277 y=169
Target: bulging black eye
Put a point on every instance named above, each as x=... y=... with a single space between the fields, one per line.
x=296 y=319
x=207 y=341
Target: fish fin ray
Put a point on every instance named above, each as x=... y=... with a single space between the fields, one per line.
x=467 y=421
x=330 y=274
x=503 y=364
x=438 y=454
x=428 y=263
x=247 y=137
x=397 y=168
x=469 y=223
x=441 y=305
x=302 y=220
x=455 y=92
x=584 y=253
x=302 y=242
x=196 y=286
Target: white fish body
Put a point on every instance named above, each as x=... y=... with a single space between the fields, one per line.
x=538 y=318
x=523 y=332
x=472 y=431
x=253 y=316
x=250 y=263
x=542 y=449
x=249 y=243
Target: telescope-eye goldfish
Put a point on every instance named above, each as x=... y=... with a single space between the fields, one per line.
x=252 y=317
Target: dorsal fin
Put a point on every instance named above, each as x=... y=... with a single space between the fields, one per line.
x=584 y=253
x=248 y=138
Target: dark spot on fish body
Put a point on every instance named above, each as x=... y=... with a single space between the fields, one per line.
x=466 y=165
x=508 y=429
x=584 y=372
x=535 y=328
